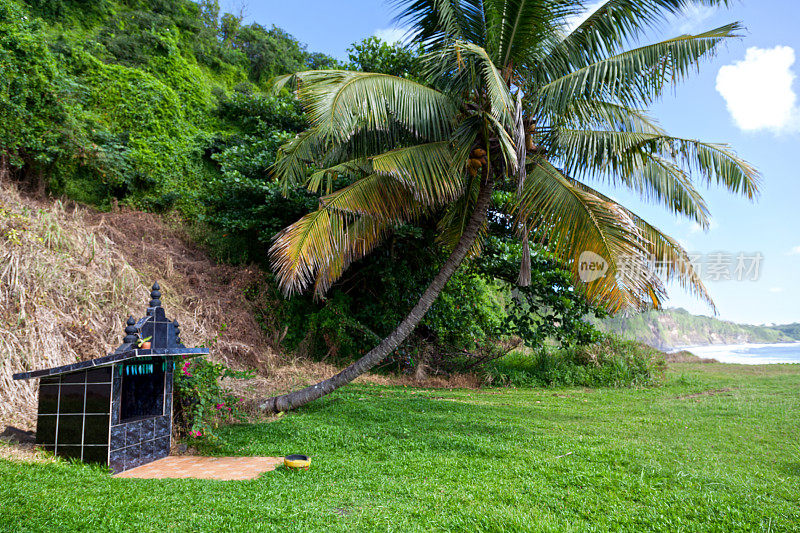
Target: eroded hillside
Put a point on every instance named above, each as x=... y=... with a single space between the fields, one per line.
x=70 y=276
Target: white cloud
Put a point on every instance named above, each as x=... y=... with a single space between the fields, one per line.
x=776 y=290
x=693 y=18
x=392 y=35
x=758 y=90
x=795 y=251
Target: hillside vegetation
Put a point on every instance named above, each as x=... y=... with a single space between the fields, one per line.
x=125 y=99
x=161 y=106
x=673 y=328
x=790 y=330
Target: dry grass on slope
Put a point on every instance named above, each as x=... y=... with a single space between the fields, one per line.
x=70 y=276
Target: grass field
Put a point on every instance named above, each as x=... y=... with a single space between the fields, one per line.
x=714 y=449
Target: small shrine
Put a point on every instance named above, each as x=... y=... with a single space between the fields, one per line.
x=117 y=409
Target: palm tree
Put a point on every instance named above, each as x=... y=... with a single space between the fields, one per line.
x=521 y=97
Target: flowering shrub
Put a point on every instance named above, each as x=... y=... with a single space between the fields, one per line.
x=201 y=403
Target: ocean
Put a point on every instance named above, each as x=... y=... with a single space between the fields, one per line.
x=749 y=354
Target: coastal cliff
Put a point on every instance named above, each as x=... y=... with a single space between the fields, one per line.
x=673 y=328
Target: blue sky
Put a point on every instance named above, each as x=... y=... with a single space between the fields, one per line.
x=746 y=96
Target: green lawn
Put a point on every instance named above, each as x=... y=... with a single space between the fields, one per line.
x=492 y=460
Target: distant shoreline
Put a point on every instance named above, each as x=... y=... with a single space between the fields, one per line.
x=688 y=348
x=746 y=354
x=677 y=329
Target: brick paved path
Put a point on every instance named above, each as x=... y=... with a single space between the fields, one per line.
x=191 y=466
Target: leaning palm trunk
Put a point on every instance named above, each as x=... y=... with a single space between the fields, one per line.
x=389 y=344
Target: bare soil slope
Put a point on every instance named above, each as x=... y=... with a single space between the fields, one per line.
x=70 y=276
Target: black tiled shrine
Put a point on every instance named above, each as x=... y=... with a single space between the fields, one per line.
x=115 y=410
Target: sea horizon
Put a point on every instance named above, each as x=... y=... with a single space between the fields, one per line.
x=747 y=354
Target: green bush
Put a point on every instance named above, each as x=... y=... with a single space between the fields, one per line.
x=373 y=55
x=31 y=103
x=551 y=308
x=611 y=362
x=243 y=207
x=118 y=99
x=82 y=12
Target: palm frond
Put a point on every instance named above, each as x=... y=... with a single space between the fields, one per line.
x=311 y=149
x=508 y=148
x=497 y=88
x=575 y=222
x=604 y=115
x=348 y=224
x=517 y=26
x=636 y=167
x=614 y=25
x=302 y=248
x=278 y=83
x=429 y=171
x=437 y=23
x=452 y=224
x=319 y=247
x=594 y=152
x=669 y=259
x=359 y=168
x=365 y=143
x=339 y=103
x=634 y=78
x=361 y=236
x=379 y=196
x=295 y=157
x=404 y=184
x=464 y=136
x=665 y=182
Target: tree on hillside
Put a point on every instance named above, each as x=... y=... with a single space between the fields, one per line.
x=374 y=55
x=30 y=102
x=522 y=97
x=320 y=61
x=209 y=13
x=270 y=51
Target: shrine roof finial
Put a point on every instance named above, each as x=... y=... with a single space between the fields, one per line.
x=155 y=295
